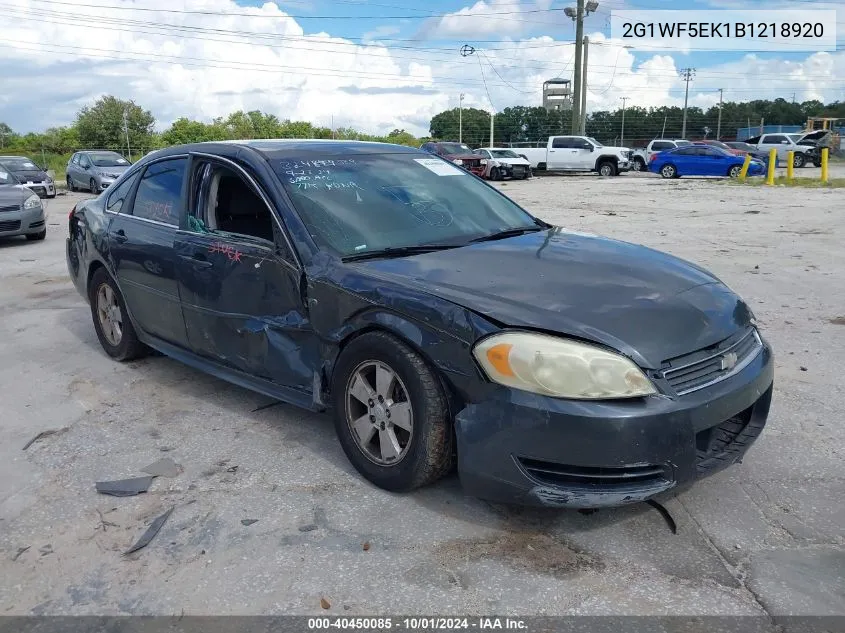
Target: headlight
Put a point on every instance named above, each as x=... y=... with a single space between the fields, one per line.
x=33 y=202
x=559 y=368
x=483 y=161
x=458 y=161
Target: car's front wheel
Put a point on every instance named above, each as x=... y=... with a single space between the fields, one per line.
x=607 y=169
x=734 y=171
x=391 y=413
x=93 y=186
x=70 y=185
x=638 y=164
x=798 y=160
x=668 y=171
x=111 y=321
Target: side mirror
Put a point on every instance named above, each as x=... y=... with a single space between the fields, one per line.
x=589 y=148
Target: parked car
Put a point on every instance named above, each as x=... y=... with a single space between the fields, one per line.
x=26 y=172
x=437 y=320
x=94 y=170
x=747 y=148
x=21 y=211
x=640 y=158
x=502 y=163
x=784 y=144
x=457 y=153
x=578 y=153
x=714 y=143
x=701 y=160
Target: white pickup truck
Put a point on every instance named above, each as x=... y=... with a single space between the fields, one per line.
x=641 y=157
x=577 y=153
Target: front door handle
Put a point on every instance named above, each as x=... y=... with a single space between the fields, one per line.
x=198 y=260
x=120 y=236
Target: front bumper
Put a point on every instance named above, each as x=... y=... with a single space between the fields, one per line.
x=527 y=449
x=24 y=222
x=623 y=166
x=44 y=189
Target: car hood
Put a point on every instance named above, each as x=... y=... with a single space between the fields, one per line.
x=613 y=149
x=30 y=175
x=648 y=305
x=13 y=195
x=112 y=170
x=511 y=161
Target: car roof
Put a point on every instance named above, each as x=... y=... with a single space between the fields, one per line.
x=296 y=148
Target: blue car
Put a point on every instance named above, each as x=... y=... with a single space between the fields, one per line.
x=700 y=160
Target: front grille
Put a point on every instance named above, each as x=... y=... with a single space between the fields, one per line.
x=562 y=474
x=720 y=446
x=10 y=207
x=709 y=366
x=10 y=225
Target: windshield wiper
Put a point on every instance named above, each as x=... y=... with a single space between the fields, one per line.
x=398 y=251
x=500 y=235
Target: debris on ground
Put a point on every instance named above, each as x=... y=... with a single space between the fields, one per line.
x=165 y=467
x=310 y=527
x=46 y=549
x=42 y=435
x=233 y=469
x=665 y=514
x=802 y=368
x=248 y=522
x=840 y=320
x=148 y=536
x=125 y=487
x=325 y=603
x=20 y=551
x=267 y=406
x=366 y=546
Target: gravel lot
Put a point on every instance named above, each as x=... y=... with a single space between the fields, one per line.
x=766 y=537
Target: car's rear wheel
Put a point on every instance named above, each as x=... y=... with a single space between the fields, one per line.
x=798 y=160
x=36 y=237
x=638 y=164
x=668 y=171
x=111 y=321
x=734 y=171
x=391 y=414
x=93 y=186
x=607 y=169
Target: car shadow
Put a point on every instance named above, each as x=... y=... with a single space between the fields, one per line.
x=12 y=242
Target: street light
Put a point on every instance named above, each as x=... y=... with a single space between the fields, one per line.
x=591 y=6
x=577 y=15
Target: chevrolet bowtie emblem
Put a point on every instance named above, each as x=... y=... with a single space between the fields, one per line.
x=729 y=361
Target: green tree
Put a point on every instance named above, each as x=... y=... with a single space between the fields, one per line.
x=476 y=126
x=102 y=125
x=7 y=135
x=187 y=131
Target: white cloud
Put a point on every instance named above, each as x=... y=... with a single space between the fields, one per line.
x=484 y=18
x=385 y=30
x=66 y=63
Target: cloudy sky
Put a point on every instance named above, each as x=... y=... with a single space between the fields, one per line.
x=374 y=66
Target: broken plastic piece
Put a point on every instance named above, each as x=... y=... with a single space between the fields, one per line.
x=147 y=536
x=165 y=467
x=248 y=522
x=665 y=514
x=124 y=487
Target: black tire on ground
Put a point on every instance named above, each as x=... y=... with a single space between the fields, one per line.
x=128 y=347
x=607 y=168
x=668 y=171
x=70 y=185
x=92 y=186
x=37 y=237
x=798 y=160
x=495 y=174
x=734 y=171
x=638 y=164
x=430 y=446
x=817 y=162
x=526 y=175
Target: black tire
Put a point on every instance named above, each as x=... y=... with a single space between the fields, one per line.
x=638 y=164
x=429 y=452
x=129 y=347
x=817 y=162
x=734 y=171
x=607 y=168
x=799 y=160
x=37 y=237
x=70 y=185
x=669 y=171
x=92 y=185
x=526 y=175
x=495 y=174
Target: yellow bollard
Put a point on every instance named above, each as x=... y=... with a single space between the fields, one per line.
x=825 y=152
x=790 y=165
x=745 y=165
x=773 y=159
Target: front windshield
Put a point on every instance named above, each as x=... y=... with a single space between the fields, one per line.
x=109 y=159
x=795 y=137
x=455 y=148
x=19 y=164
x=6 y=178
x=504 y=153
x=594 y=141
x=371 y=202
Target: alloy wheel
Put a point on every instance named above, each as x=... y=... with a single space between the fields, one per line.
x=109 y=314
x=379 y=413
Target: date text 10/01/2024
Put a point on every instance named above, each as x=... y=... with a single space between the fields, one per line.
x=417 y=623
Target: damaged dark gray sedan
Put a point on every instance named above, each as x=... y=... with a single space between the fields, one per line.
x=442 y=324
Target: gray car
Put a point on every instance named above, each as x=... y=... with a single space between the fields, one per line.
x=94 y=170
x=21 y=212
x=29 y=174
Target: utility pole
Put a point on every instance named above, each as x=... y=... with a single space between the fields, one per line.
x=492 y=115
x=686 y=74
x=126 y=131
x=576 y=97
x=622 y=140
x=583 y=110
x=663 y=133
x=719 y=124
x=461 y=118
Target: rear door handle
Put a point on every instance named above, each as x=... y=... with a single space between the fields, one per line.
x=198 y=260
x=120 y=236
